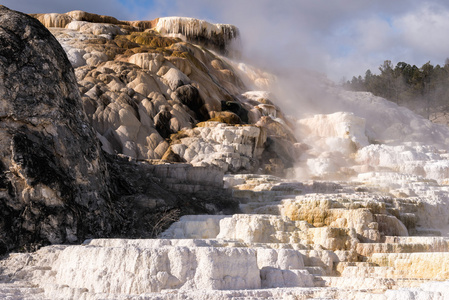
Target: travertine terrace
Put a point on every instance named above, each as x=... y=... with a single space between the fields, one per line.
x=364 y=215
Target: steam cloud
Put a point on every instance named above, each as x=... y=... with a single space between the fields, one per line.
x=337 y=38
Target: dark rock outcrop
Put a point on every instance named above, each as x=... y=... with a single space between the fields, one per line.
x=154 y=196
x=236 y=108
x=190 y=96
x=53 y=179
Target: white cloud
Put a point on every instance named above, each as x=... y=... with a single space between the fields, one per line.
x=104 y=7
x=425 y=31
x=373 y=35
x=340 y=38
x=368 y=42
x=414 y=36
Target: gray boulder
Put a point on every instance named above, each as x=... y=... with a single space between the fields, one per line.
x=53 y=179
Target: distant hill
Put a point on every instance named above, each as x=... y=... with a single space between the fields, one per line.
x=425 y=89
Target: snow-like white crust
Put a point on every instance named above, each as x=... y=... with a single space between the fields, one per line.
x=191 y=27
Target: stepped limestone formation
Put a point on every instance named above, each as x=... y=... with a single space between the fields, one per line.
x=148 y=94
x=169 y=139
x=331 y=241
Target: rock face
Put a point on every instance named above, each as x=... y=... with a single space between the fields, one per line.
x=53 y=180
x=145 y=91
x=230 y=148
x=152 y=196
x=56 y=185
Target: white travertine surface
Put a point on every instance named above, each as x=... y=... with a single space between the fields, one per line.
x=372 y=224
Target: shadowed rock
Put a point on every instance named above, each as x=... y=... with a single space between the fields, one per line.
x=53 y=180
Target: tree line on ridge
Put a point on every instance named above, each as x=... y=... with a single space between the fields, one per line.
x=424 y=90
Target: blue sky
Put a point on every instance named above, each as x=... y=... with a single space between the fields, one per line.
x=335 y=37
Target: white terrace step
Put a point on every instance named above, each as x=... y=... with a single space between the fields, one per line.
x=318 y=271
x=372 y=272
x=16 y=291
x=434 y=240
x=266 y=294
x=195 y=227
x=371 y=284
x=260 y=228
x=359 y=283
x=247 y=228
x=415 y=292
x=271 y=208
x=421 y=265
x=427 y=232
x=137 y=268
x=341 y=266
x=142 y=266
x=367 y=249
x=262 y=197
x=157 y=243
x=275 y=278
x=283 y=256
